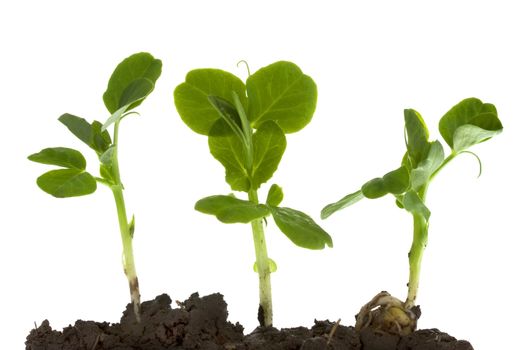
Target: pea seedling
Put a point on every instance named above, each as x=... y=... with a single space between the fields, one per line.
x=246 y=127
x=468 y=123
x=131 y=82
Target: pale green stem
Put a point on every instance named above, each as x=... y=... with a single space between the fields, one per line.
x=420 y=240
x=415 y=257
x=265 y=315
x=127 y=239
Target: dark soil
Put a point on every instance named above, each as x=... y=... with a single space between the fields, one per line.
x=201 y=323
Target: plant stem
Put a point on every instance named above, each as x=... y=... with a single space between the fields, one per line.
x=420 y=240
x=415 y=257
x=128 y=260
x=265 y=315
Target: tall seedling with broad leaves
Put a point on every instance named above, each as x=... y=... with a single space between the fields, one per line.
x=131 y=82
x=468 y=123
x=246 y=125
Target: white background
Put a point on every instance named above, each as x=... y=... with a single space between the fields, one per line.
x=60 y=259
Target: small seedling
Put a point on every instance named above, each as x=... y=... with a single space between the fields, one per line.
x=131 y=82
x=246 y=126
x=468 y=123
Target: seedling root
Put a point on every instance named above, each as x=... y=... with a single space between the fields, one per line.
x=332 y=331
x=389 y=314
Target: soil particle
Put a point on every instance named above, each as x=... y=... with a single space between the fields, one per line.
x=201 y=323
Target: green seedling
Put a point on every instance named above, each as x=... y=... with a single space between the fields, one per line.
x=131 y=82
x=468 y=123
x=246 y=125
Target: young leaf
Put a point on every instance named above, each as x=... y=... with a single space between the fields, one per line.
x=420 y=175
x=300 y=228
x=417 y=136
x=78 y=127
x=229 y=151
x=101 y=139
x=136 y=91
x=230 y=122
x=64 y=183
x=140 y=65
x=229 y=209
x=91 y=134
x=282 y=93
x=191 y=97
x=61 y=156
x=413 y=203
x=470 y=135
x=395 y=182
x=374 y=188
x=468 y=123
x=344 y=202
x=269 y=144
x=275 y=196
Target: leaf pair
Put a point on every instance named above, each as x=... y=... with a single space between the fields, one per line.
x=296 y=225
x=69 y=182
x=277 y=99
x=468 y=123
x=279 y=92
x=129 y=85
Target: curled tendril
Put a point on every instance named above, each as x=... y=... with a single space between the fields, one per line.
x=246 y=64
x=479 y=161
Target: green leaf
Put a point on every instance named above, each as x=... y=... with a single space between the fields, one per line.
x=468 y=123
x=61 y=156
x=229 y=114
x=374 y=188
x=417 y=137
x=300 y=228
x=282 y=93
x=269 y=144
x=421 y=175
x=101 y=140
x=120 y=86
x=344 y=202
x=91 y=134
x=63 y=183
x=470 y=135
x=395 y=182
x=413 y=203
x=229 y=209
x=229 y=151
x=273 y=266
x=78 y=127
x=134 y=93
x=275 y=195
x=191 y=97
